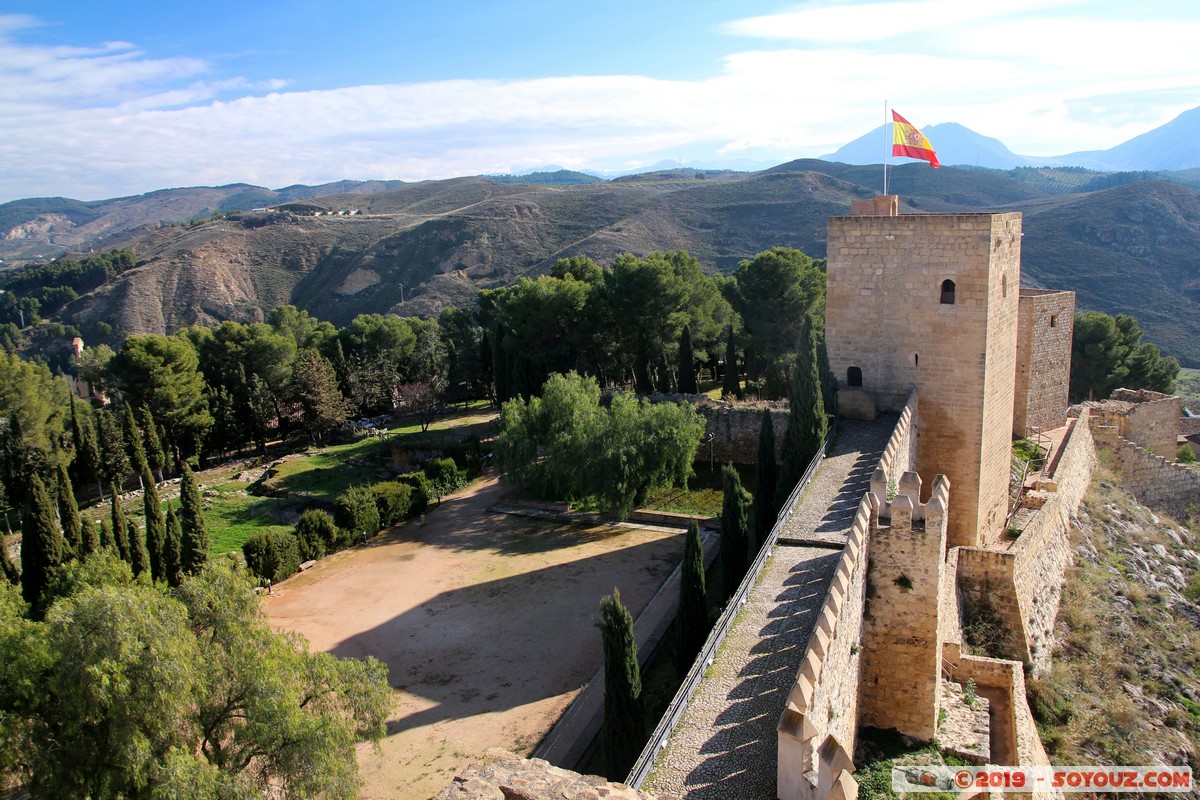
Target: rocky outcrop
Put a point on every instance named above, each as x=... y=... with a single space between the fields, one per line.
x=502 y=775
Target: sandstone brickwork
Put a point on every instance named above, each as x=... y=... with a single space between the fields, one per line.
x=502 y=775
x=930 y=302
x=1154 y=480
x=902 y=643
x=1148 y=419
x=1044 y=331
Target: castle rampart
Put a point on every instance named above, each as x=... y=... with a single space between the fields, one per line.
x=1148 y=419
x=1153 y=479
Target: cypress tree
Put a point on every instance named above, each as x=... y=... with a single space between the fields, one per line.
x=766 y=506
x=133 y=445
x=156 y=525
x=735 y=527
x=120 y=529
x=194 y=543
x=687 y=363
x=693 y=606
x=806 y=415
x=642 y=384
x=89 y=540
x=68 y=512
x=172 y=556
x=42 y=544
x=139 y=556
x=664 y=384
x=731 y=386
x=829 y=387
x=107 y=540
x=114 y=460
x=155 y=454
x=86 y=464
x=623 y=727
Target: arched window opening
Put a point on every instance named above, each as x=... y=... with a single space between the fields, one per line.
x=947 y=292
x=854 y=377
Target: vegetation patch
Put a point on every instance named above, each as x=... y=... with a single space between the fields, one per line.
x=879 y=750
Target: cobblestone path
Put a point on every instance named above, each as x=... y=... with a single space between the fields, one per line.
x=724 y=745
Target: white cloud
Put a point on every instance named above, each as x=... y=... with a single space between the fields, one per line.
x=111 y=119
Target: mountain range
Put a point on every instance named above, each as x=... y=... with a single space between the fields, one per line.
x=1173 y=146
x=343 y=249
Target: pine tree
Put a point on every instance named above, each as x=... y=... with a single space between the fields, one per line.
x=194 y=542
x=687 y=363
x=766 y=506
x=139 y=555
x=120 y=529
x=155 y=454
x=693 y=605
x=172 y=557
x=89 y=540
x=623 y=726
x=42 y=545
x=807 y=423
x=156 y=525
x=68 y=512
x=735 y=528
x=731 y=385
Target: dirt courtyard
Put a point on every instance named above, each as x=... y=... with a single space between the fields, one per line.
x=486 y=623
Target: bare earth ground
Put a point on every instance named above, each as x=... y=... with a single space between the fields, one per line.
x=486 y=623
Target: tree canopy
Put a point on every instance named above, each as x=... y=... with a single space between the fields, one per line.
x=133 y=690
x=1108 y=353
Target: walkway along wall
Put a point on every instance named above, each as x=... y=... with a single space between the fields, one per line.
x=1022 y=586
x=817 y=731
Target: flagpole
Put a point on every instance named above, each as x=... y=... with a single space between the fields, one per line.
x=886 y=150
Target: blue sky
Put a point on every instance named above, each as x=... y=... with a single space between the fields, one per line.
x=105 y=99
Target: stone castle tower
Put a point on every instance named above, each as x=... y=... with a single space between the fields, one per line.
x=930 y=301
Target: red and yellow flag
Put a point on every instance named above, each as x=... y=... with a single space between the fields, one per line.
x=910 y=142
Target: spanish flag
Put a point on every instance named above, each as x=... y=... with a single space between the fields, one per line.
x=910 y=142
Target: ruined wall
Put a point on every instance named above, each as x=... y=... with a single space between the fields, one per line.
x=905 y=578
x=885 y=317
x=1155 y=481
x=1045 y=326
x=1153 y=420
x=817 y=731
x=1146 y=418
x=735 y=432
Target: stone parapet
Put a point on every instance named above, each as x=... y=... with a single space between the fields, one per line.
x=502 y=775
x=1154 y=480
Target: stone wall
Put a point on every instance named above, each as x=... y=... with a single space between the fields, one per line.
x=885 y=317
x=1146 y=418
x=735 y=432
x=501 y=775
x=1045 y=327
x=1154 y=480
x=1023 y=584
x=905 y=578
x=817 y=731
x=900 y=454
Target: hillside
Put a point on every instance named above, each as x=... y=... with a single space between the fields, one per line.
x=415 y=248
x=1125 y=688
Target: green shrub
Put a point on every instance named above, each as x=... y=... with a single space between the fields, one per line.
x=423 y=489
x=272 y=555
x=445 y=475
x=467 y=454
x=317 y=534
x=394 y=501
x=1185 y=455
x=356 y=512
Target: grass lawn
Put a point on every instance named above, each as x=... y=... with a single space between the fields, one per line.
x=703 y=494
